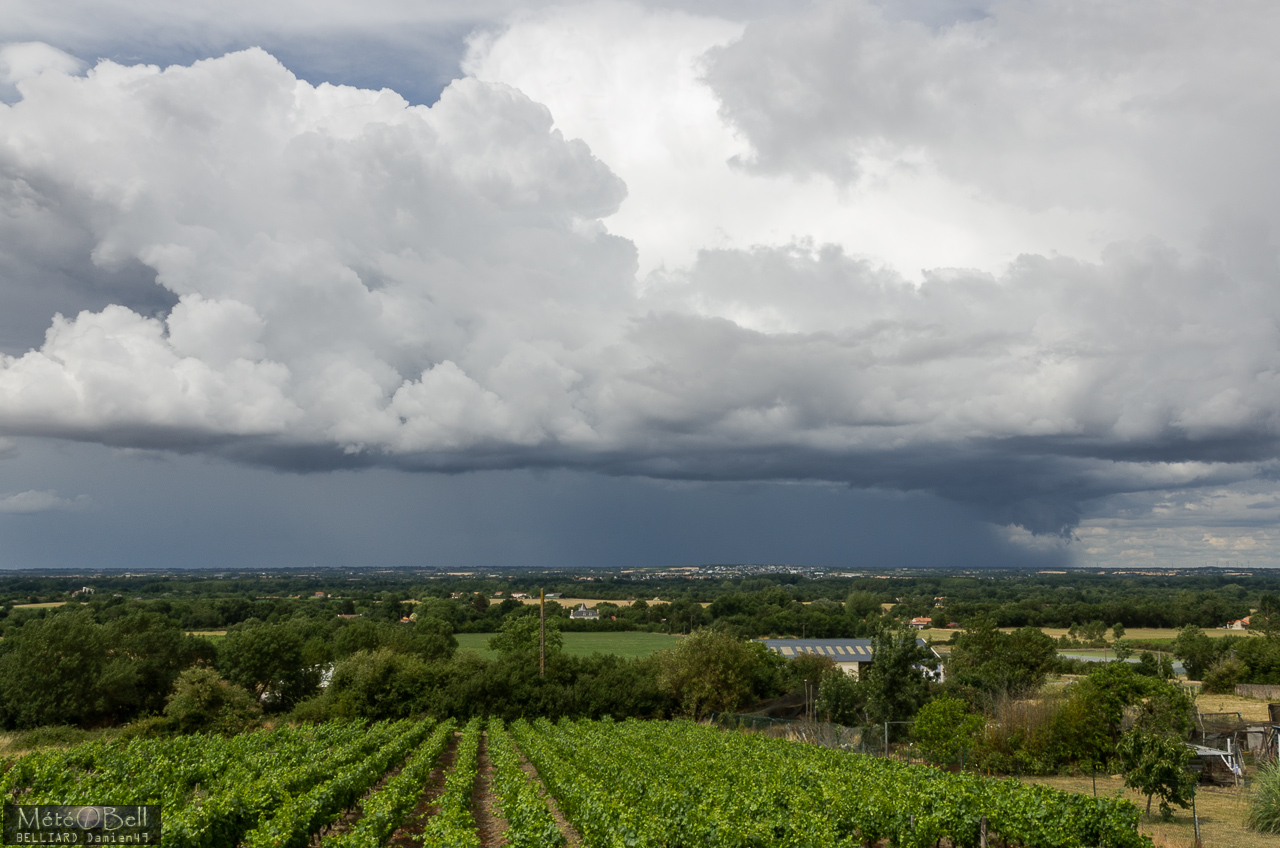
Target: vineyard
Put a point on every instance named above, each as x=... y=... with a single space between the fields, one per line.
x=621 y=785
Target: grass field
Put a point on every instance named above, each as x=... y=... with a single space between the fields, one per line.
x=1221 y=813
x=585 y=644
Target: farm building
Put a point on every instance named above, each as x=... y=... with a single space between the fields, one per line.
x=852 y=656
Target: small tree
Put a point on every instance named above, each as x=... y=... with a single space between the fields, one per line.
x=709 y=671
x=842 y=699
x=943 y=728
x=520 y=637
x=203 y=701
x=1117 y=631
x=1157 y=764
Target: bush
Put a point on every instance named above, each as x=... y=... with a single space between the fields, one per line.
x=1263 y=812
x=203 y=701
x=1223 y=677
x=57 y=736
x=943 y=729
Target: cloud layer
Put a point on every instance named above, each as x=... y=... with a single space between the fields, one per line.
x=320 y=276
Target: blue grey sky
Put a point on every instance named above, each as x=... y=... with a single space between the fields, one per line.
x=621 y=283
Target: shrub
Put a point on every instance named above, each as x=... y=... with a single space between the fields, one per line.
x=943 y=728
x=1263 y=813
x=203 y=701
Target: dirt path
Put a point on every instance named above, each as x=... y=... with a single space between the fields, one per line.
x=571 y=836
x=489 y=823
x=417 y=820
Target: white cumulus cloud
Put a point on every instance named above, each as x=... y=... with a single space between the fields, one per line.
x=616 y=246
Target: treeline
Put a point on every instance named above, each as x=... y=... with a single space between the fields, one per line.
x=758 y=605
x=90 y=667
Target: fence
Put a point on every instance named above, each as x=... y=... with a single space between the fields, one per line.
x=821 y=733
x=1258 y=690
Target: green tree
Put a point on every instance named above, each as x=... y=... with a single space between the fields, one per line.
x=842 y=699
x=520 y=638
x=1117 y=631
x=267 y=660
x=895 y=684
x=860 y=605
x=1157 y=764
x=52 y=672
x=1199 y=652
x=202 y=701
x=995 y=662
x=709 y=671
x=944 y=727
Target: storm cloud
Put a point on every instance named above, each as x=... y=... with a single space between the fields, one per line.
x=520 y=276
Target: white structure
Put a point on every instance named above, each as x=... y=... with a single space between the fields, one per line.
x=583 y=613
x=852 y=656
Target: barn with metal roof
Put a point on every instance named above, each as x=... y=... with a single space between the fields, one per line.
x=852 y=656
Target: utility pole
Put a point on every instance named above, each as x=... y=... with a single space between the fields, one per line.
x=542 y=633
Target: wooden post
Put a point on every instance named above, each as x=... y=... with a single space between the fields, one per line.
x=542 y=633
x=982 y=832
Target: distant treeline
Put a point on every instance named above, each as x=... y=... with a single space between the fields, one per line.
x=773 y=604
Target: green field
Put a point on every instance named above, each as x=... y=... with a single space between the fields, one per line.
x=585 y=644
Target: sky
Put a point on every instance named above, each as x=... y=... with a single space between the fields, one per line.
x=852 y=284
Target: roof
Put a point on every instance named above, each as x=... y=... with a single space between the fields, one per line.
x=840 y=650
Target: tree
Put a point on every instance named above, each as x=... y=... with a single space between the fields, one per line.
x=842 y=699
x=1117 y=631
x=520 y=638
x=895 y=683
x=709 y=671
x=1198 y=652
x=266 y=659
x=204 y=702
x=861 y=605
x=1157 y=764
x=943 y=728
x=995 y=662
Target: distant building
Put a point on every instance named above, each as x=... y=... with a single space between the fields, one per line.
x=584 y=613
x=852 y=656
x=921 y=622
x=1242 y=624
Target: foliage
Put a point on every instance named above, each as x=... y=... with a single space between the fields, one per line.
x=268 y=660
x=452 y=826
x=1223 y=677
x=1157 y=764
x=1263 y=812
x=529 y=822
x=994 y=662
x=709 y=671
x=943 y=728
x=842 y=699
x=521 y=638
x=652 y=784
x=1198 y=652
x=895 y=684
x=382 y=811
x=203 y=701
x=68 y=669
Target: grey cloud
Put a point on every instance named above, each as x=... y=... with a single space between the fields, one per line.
x=338 y=279
x=1161 y=110
x=32 y=501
